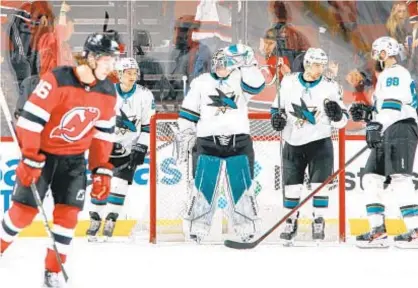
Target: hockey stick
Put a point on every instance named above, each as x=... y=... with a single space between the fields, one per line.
x=33 y=188
x=251 y=245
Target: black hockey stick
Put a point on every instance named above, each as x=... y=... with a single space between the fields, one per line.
x=251 y=245
x=106 y=22
x=33 y=188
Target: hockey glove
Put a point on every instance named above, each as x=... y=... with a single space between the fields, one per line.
x=374 y=134
x=138 y=154
x=101 y=181
x=360 y=112
x=30 y=168
x=278 y=121
x=333 y=111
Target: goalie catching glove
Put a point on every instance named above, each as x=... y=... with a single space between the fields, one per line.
x=184 y=142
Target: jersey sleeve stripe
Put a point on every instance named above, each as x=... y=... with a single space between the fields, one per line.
x=392 y=104
x=252 y=90
x=105 y=136
x=33 y=118
x=106 y=123
x=37 y=111
x=189 y=115
x=106 y=130
x=145 y=128
x=24 y=123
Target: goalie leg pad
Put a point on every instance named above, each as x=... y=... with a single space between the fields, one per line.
x=201 y=206
x=243 y=208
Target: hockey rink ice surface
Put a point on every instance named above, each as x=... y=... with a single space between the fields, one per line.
x=215 y=266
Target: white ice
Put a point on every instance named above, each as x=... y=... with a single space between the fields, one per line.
x=192 y=266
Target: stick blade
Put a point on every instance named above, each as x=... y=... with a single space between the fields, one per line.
x=240 y=245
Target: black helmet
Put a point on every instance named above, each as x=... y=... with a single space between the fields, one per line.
x=100 y=44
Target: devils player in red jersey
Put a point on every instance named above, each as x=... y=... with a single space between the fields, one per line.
x=70 y=111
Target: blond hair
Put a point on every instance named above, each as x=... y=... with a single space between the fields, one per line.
x=393 y=21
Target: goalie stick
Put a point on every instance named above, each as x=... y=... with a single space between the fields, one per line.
x=33 y=188
x=251 y=245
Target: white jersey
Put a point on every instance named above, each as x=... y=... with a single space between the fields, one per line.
x=219 y=106
x=134 y=111
x=395 y=96
x=303 y=103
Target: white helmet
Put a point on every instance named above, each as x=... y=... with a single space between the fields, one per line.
x=315 y=55
x=126 y=63
x=387 y=44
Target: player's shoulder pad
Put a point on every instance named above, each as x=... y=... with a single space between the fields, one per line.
x=66 y=77
x=145 y=93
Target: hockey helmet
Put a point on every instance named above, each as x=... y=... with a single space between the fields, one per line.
x=387 y=44
x=126 y=63
x=100 y=45
x=315 y=55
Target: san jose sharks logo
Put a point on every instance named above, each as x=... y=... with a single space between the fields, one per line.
x=303 y=113
x=222 y=101
x=125 y=123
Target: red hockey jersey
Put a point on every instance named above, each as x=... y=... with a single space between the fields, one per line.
x=66 y=117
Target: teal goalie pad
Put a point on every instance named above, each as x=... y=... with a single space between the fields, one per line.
x=207 y=176
x=239 y=176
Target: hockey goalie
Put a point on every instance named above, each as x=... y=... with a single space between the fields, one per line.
x=213 y=122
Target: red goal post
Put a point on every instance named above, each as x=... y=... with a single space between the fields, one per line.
x=157 y=135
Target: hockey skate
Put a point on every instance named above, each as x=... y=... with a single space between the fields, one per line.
x=407 y=240
x=290 y=231
x=51 y=279
x=318 y=229
x=95 y=223
x=377 y=238
x=109 y=225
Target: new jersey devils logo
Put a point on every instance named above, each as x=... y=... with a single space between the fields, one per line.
x=76 y=123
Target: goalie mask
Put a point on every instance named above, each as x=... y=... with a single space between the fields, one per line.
x=218 y=61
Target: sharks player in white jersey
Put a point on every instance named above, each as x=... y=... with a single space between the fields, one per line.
x=135 y=106
x=392 y=134
x=215 y=110
x=310 y=107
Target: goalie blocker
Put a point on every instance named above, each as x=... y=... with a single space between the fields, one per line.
x=215 y=157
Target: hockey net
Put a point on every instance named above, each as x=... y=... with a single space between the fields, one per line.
x=162 y=218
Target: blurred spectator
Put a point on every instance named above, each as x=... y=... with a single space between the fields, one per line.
x=413 y=48
x=28 y=23
x=398 y=28
x=290 y=41
x=53 y=47
x=273 y=68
